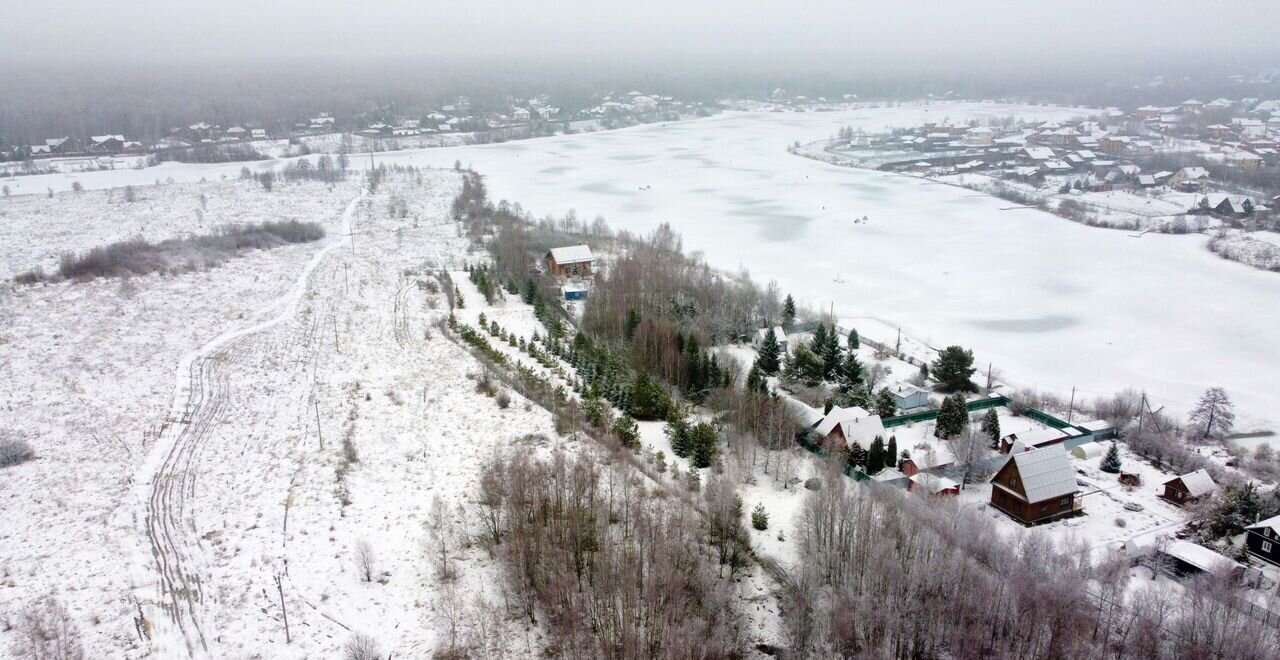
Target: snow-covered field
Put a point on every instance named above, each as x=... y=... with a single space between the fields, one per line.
x=182 y=505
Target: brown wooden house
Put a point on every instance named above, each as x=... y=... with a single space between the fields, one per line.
x=570 y=261
x=1036 y=486
x=1189 y=487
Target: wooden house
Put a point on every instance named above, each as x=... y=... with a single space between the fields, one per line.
x=850 y=426
x=1263 y=540
x=572 y=260
x=1189 y=487
x=1036 y=486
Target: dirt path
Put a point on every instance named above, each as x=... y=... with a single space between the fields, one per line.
x=169 y=477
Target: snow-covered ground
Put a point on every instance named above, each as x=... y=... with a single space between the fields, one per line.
x=183 y=505
x=1052 y=303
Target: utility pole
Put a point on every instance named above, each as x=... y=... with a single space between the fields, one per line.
x=318 y=431
x=988 y=377
x=345 y=281
x=283 y=611
x=1141 y=409
x=335 y=334
x=1071 y=408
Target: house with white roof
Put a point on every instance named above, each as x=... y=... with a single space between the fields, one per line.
x=1188 y=177
x=849 y=426
x=571 y=260
x=907 y=396
x=1189 y=487
x=1036 y=486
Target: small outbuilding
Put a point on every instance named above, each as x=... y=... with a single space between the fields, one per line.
x=1189 y=487
x=933 y=485
x=907 y=396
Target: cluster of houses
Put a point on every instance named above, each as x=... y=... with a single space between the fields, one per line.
x=1035 y=482
x=1101 y=154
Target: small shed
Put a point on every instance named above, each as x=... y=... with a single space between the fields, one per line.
x=907 y=396
x=933 y=485
x=1130 y=478
x=892 y=477
x=1189 y=487
x=1099 y=429
x=1088 y=450
x=574 y=292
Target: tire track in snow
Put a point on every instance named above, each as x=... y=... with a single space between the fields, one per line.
x=199 y=405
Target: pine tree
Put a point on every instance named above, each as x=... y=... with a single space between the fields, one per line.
x=953 y=417
x=648 y=399
x=458 y=301
x=1111 y=462
x=991 y=427
x=886 y=405
x=876 y=456
x=770 y=354
x=677 y=431
x=789 y=312
x=756 y=383
x=854 y=342
x=829 y=351
x=857 y=458
x=702 y=445
x=953 y=368
x=849 y=376
x=803 y=366
x=1214 y=413
x=759 y=518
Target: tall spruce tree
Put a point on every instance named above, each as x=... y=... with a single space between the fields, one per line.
x=953 y=417
x=789 y=312
x=702 y=445
x=991 y=427
x=677 y=431
x=830 y=354
x=876 y=456
x=1111 y=462
x=756 y=382
x=850 y=374
x=886 y=405
x=854 y=342
x=769 y=358
x=891 y=452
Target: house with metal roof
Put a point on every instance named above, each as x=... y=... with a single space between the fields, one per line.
x=1036 y=486
x=849 y=426
x=1189 y=487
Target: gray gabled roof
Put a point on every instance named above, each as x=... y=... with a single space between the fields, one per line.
x=1273 y=522
x=572 y=254
x=1198 y=483
x=1046 y=473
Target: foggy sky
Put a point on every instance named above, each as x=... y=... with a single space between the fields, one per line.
x=156 y=31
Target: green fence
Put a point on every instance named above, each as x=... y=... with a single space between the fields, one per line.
x=972 y=406
x=1045 y=418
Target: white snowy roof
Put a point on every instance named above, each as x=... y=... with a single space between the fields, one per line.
x=863 y=430
x=1039 y=153
x=1272 y=522
x=572 y=254
x=1046 y=473
x=1195 y=172
x=1198 y=483
x=893 y=474
x=1037 y=437
x=838 y=415
x=98 y=139
x=904 y=390
x=1199 y=556
x=934 y=483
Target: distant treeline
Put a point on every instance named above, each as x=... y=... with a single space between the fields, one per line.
x=45 y=102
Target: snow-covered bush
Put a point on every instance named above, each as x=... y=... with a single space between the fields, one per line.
x=14 y=451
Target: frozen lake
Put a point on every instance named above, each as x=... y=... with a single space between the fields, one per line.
x=1052 y=303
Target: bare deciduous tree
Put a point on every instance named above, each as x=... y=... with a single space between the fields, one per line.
x=365 y=557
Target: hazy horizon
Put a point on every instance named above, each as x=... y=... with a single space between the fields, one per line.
x=758 y=32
